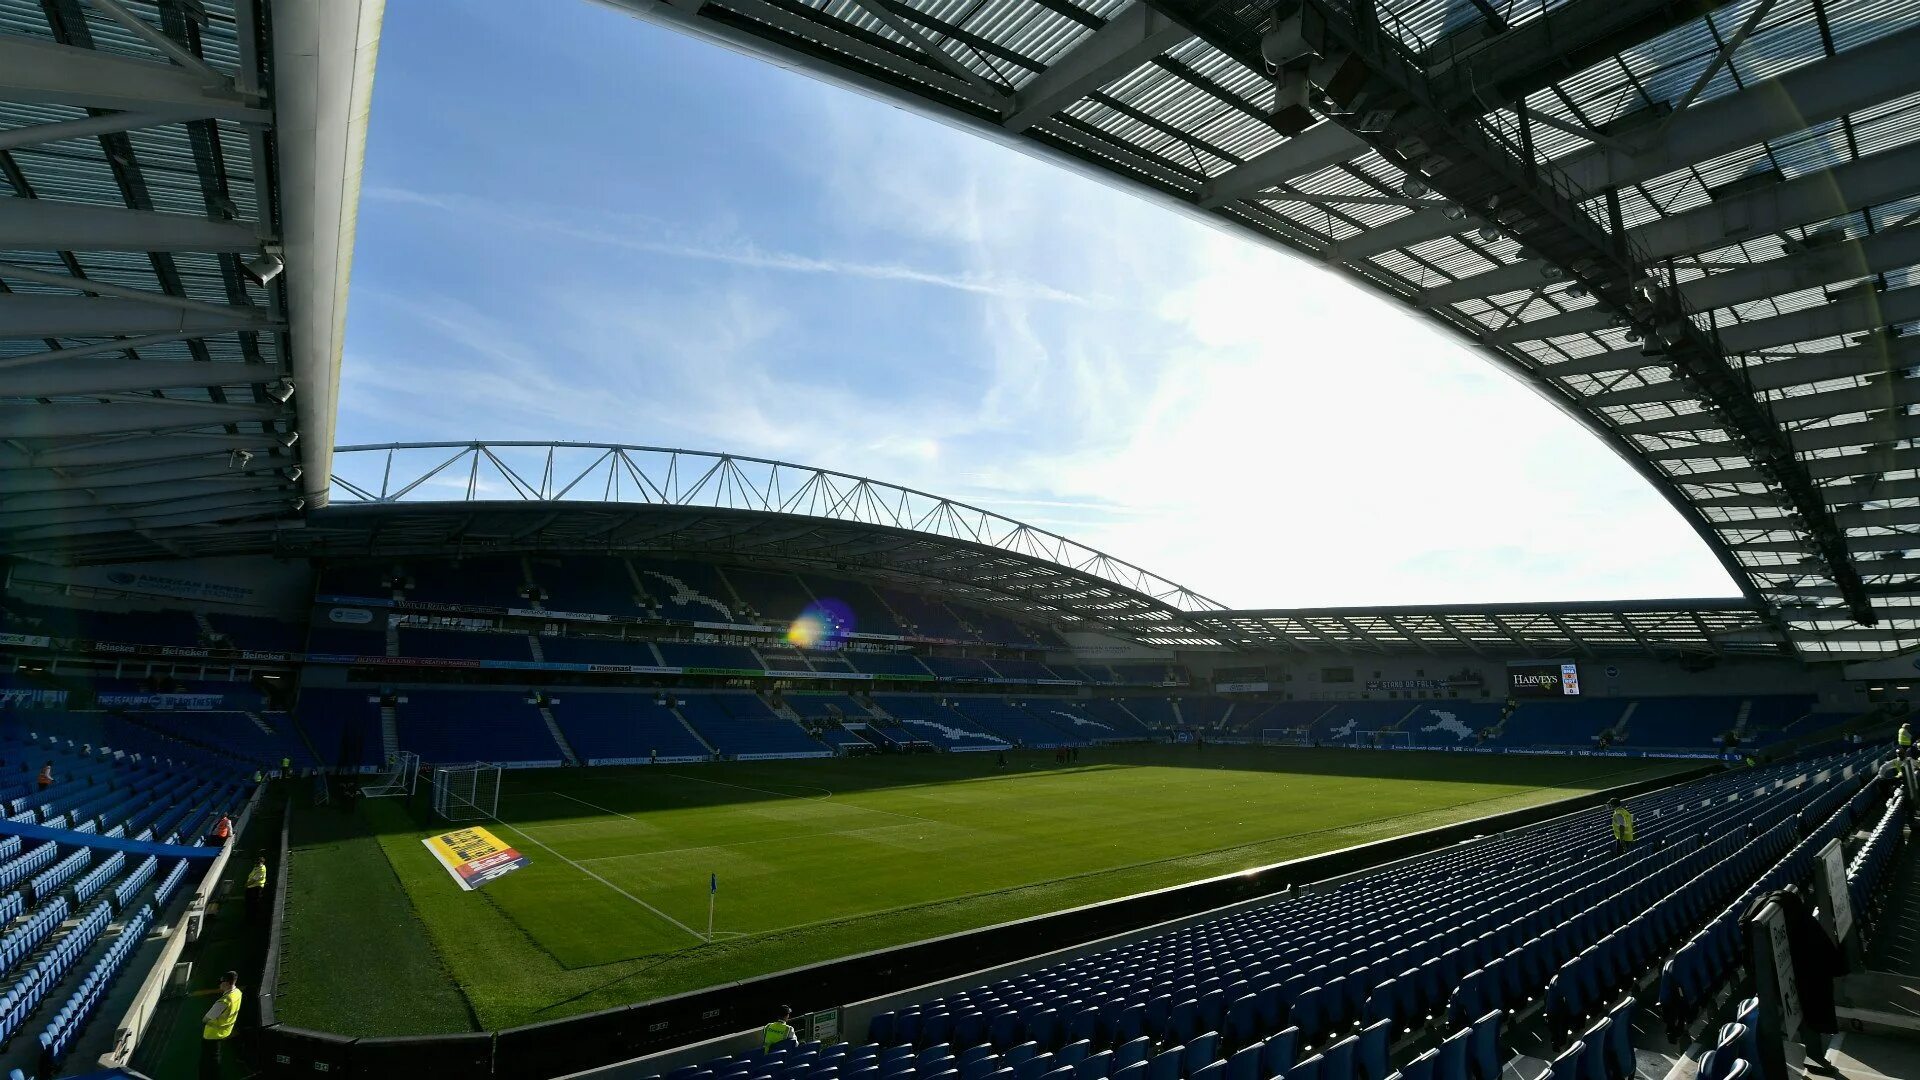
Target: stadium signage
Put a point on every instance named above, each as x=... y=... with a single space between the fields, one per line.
x=34 y=641
x=1241 y=687
x=473 y=857
x=1552 y=679
x=33 y=699
x=349 y=616
x=166 y=702
x=1407 y=684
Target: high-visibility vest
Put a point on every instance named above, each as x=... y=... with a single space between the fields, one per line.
x=256 y=776
x=1906 y=735
x=257 y=877
x=778 y=1032
x=221 y=1027
x=1623 y=824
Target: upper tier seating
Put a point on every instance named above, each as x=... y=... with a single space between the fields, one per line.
x=687 y=591
x=1204 y=712
x=1149 y=674
x=1769 y=717
x=923 y=615
x=499 y=726
x=623 y=728
x=778 y=597
x=596 y=584
x=1335 y=981
x=740 y=725
x=485 y=582
x=345 y=641
x=781 y=658
x=870 y=614
x=345 y=579
x=827 y=707
x=1155 y=713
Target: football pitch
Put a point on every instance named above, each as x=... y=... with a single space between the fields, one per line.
x=815 y=859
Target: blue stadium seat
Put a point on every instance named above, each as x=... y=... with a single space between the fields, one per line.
x=1202 y=1050
x=1453 y=1055
x=1132 y=1052
x=1073 y=1053
x=1423 y=1067
x=1245 y=1064
x=1166 y=1064
x=1305 y=1069
x=1566 y=1064
x=1341 y=1060
x=1375 y=1041
x=1214 y=1071
x=1095 y=1066
x=1280 y=1051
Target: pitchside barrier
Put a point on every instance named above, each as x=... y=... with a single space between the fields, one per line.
x=602 y=1039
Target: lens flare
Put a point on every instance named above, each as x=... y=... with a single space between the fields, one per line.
x=824 y=625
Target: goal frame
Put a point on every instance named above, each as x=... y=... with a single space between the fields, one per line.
x=1387 y=740
x=399 y=778
x=1293 y=736
x=467 y=791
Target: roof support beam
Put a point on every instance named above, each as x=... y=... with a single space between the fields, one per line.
x=1857 y=79
x=1135 y=36
x=40 y=225
x=24 y=481
x=124 y=499
x=68 y=420
x=1865 y=256
x=1320 y=147
x=35 y=316
x=122 y=374
x=41 y=71
x=205 y=511
x=127 y=451
x=103 y=124
x=1881 y=428
x=1880 y=358
x=1534 y=54
x=1845 y=314
x=1415 y=228
x=920 y=39
x=1870 y=181
x=75 y=352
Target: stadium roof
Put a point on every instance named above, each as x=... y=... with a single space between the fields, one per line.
x=1693 y=227
x=467 y=498
x=153 y=155
x=1658 y=628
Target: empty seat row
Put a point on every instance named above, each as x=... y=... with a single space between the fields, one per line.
x=72 y=1016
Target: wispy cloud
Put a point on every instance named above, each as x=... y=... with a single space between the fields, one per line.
x=741 y=253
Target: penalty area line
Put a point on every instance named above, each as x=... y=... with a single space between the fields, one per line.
x=531 y=840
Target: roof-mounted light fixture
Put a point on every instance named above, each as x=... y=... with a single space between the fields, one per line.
x=263 y=267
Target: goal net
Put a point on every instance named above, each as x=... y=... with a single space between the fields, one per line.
x=1387 y=740
x=397 y=777
x=468 y=792
x=1287 y=736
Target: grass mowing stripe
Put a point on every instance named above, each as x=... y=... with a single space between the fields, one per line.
x=697 y=935
x=750 y=843
x=582 y=802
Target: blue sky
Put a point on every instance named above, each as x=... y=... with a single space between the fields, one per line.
x=582 y=226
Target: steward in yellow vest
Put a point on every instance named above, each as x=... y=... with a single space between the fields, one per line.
x=1622 y=826
x=217 y=1026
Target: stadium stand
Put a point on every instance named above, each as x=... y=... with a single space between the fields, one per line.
x=835 y=707
x=957 y=667
x=931 y=722
x=339 y=640
x=1450 y=723
x=254 y=632
x=624 y=729
x=1204 y=712
x=593 y=584
x=593 y=650
x=454 y=644
x=870 y=614
x=1017 y=724
x=343 y=724
x=498 y=726
x=781 y=658
x=1032 y=670
x=690 y=591
x=1678 y=722
x=690 y=654
x=740 y=725
x=1450 y=944
x=1560 y=723
x=1095 y=721
x=483 y=582
x=773 y=595
x=886 y=663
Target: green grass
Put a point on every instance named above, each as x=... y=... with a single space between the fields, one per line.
x=819 y=859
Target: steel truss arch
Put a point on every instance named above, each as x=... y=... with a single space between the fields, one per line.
x=576 y=474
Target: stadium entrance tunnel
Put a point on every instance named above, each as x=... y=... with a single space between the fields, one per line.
x=595 y=1040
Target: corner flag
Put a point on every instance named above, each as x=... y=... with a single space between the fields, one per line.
x=713 y=890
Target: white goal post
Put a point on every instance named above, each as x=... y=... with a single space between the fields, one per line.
x=1387 y=740
x=1288 y=736
x=467 y=792
x=397 y=777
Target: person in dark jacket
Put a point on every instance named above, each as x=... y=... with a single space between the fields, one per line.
x=1817 y=962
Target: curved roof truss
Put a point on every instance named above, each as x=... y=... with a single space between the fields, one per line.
x=449 y=497
x=1693 y=227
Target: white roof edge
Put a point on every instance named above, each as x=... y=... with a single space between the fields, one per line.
x=324 y=53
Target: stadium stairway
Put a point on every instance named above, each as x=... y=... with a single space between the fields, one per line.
x=1433 y=964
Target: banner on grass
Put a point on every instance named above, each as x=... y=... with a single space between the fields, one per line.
x=474 y=856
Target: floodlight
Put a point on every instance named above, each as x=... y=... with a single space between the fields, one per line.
x=298 y=504
x=1633 y=334
x=1489 y=234
x=290 y=473
x=263 y=267
x=1552 y=272
x=1455 y=212
x=1414 y=188
x=280 y=390
x=1577 y=289
x=288 y=438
